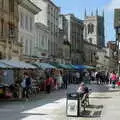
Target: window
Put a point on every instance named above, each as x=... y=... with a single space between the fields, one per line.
x=21 y=20
x=2 y=27
x=2 y=3
x=11 y=30
x=21 y=39
x=90 y=28
x=30 y=24
x=26 y=22
x=42 y=42
x=11 y=5
x=26 y=47
x=0 y=55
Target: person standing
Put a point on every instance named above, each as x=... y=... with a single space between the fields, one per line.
x=113 y=79
x=77 y=77
x=26 y=85
x=65 y=80
x=48 y=83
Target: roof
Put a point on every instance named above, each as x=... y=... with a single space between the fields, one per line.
x=30 y=6
x=52 y=3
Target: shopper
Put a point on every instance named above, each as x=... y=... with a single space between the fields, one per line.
x=26 y=85
x=113 y=79
x=48 y=83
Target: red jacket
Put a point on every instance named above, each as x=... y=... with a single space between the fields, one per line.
x=49 y=81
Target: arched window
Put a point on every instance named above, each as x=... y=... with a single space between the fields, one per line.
x=90 y=28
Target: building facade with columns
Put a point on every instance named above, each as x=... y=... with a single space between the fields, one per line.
x=10 y=47
x=27 y=12
x=49 y=16
x=64 y=44
x=75 y=37
x=40 y=49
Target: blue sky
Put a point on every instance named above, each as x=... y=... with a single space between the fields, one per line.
x=78 y=7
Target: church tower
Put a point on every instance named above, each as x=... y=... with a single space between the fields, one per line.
x=94 y=29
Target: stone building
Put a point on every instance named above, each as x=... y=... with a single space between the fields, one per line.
x=64 y=44
x=10 y=47
x=27 y=12
x=94 y=29
x=75 y=37
x=90 y=54
x=40 y=49
x=49 y=17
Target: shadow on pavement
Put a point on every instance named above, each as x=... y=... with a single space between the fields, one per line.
x=93 y=111
x=18 y=107
x=100 y=97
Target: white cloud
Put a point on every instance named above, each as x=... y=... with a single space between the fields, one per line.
x=113 y=4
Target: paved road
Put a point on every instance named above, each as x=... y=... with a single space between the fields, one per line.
x=53 y=106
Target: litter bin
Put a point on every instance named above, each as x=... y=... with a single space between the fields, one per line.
x=72 y=104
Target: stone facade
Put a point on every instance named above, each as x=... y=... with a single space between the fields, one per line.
x=10 y=48
x=94 y=30
x=90 y=54
x=27 y=12
x=64 y=44
x=41 y=42
x=75 y=37
x=49 y=17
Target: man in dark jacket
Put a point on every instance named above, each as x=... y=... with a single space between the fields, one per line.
x=65 y=80
x=26 y=85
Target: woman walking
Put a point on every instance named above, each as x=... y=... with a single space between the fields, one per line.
x=113 y=79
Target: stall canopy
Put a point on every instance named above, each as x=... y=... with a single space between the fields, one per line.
x=72 y=66
x=61 y=66
x=90 y=67
x=18 y=64
x=80 y=67
x=44 y=65
x=4 y=66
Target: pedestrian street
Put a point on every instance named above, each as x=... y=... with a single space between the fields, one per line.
x=104 y=105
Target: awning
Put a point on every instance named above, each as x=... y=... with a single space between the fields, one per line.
x=60 y=66
x=90 y=67
x=80 y=67
x=72 y=66
x=4 y=66
x=44 y=65
x=17 y=64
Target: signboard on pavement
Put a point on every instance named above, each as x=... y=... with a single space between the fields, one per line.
x=72 y=107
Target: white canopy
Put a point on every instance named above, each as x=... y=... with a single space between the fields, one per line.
x=18 y=64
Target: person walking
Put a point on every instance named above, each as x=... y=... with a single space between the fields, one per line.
x=113 y=79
